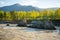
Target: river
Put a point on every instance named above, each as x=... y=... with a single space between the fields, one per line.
x=25 y=33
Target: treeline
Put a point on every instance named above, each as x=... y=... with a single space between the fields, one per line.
x=30 y=15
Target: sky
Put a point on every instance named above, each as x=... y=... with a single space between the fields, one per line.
x=35 y=3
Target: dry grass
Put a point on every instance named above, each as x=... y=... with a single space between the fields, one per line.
x=18 y=34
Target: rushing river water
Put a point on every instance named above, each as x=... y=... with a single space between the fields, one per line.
x=25 y=33
x=13 y=26
x=30 y=29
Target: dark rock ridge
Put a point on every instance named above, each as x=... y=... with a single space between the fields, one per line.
x=40 y=25
x=56 y=22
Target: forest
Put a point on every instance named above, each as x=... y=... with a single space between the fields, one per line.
x=30 y=15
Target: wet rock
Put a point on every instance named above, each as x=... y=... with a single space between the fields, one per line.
x=21 y=24
x=42 y=25
x=7 y=25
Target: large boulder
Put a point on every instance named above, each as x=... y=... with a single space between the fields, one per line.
x=42 y=25
x=37 y=24
x=49 y=25
x=56 y=22
x=7 y=24
x=21 y=24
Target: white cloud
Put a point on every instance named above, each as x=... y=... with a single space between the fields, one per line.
x=1 y=2
x=41 y=3
x=35 y=3
x=28 y=2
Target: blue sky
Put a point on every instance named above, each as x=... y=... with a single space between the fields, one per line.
x=36 y=3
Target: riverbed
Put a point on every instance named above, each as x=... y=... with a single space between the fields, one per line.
x=24 y=33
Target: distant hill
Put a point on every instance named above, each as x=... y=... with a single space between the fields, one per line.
x=55 y=8
x=18 y=7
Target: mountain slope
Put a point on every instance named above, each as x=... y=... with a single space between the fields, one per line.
x=18 y=7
